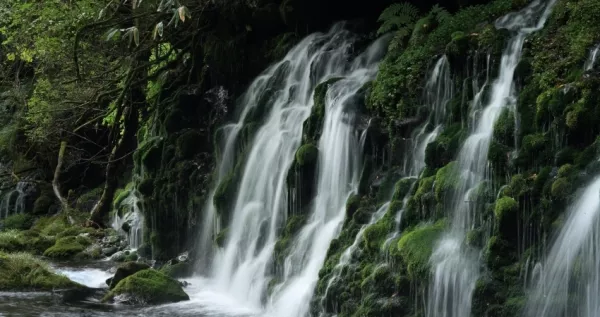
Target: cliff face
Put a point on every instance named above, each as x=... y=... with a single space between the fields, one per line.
x=477 y=131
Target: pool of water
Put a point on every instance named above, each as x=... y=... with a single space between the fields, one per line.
x=204 y=301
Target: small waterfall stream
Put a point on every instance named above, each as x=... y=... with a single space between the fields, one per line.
x=455 y=268
x=569 y=283
x=591 y=60
x=243 y=267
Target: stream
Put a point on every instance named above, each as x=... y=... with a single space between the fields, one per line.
x=203 y=301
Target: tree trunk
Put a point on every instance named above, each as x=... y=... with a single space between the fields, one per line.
x=55 y=182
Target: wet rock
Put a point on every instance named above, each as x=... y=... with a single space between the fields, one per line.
x=109 y=251
x=79 y=294
x=118 y=257
x=147 y=287
x=125 y=270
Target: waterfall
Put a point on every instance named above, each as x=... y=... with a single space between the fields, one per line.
x=131 y=222
x=456 y=269
x=569 y=284
x=13 y=202
x=243 y=267
x=591 y=60
x=438 y=92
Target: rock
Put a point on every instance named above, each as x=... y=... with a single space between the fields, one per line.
x=109 y=251
x=78 y=294
x=125 y=270
x=147 y=287
x=183 y=257
x=110 y=240
x=118 y=257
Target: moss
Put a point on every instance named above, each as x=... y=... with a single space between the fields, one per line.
x=567 y=171
x=50 y=226
x=375 y=234
x=74 y=231
x=504 y=128
x=445 y=147
x=293 y=225
x=146 y=187
x=561 y=188
x=402 y=187
x=314 y=123
x=505 y=212
x=307 y=154
x=86 y=201
x=149 y=287
x=415 y=248
x=124 y=270
x=221 y=237
x=43 y=204
x=446 y=181
x=475 y=238
x=17 y=221
x=178 y=270
x=22 y=271
x=67 y=247
x=518 y=186
x=187 y=144
x=152 y=155
x=352 y=205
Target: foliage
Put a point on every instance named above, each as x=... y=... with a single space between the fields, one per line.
x=17 y=221
x=398 y=17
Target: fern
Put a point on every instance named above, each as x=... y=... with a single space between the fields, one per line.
x=441 y=15
x=398 y=16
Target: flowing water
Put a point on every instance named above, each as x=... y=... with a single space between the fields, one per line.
x=243 y=267
x=13 y=201
x=456 y=269
x=569 y=283
x=591 y=60
x=133 y=217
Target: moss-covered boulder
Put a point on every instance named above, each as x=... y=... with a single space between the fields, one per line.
x=147 y=287
x=307 y=155
x=416 y=246
x=124 y=270
x=506 y=214
x=22 y=271
x=446 y=181
x=67 y=247
x=177 y=270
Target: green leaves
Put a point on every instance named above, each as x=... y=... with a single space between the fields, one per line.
x=397 y=16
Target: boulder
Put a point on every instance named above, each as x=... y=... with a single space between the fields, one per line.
x=124 y=270
x=147 y=287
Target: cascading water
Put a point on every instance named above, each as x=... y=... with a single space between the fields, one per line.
x=13 y=202
x=569 y=284
x=438 y=92
x=339 y=169
x=347 y=254
x=455 y=269
x=591 y=60
x=131 y=222
x=242 y=268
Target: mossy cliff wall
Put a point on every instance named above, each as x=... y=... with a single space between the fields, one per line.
x=542 y=152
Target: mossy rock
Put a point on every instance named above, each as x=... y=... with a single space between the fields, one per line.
x=177 y=270
x=506 y=214
x=86 y=201
x=375 y=234
x=221 y=237
x=313 y=125
x=124 y=270
x=415 y=248
x=146 y=187
x=17 y=222
x=561 y=188
x=188 y=144
x=307 y=154
x=67 y=247
x=42 y=204
x=446 y=181
x=402 y=187
x=504 y=128
x=352 y=205
x=24 y=272
x=148 y=287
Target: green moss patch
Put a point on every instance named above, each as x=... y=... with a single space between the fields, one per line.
x=67 y=247
x=149 y=287
x=22 y=271
x=17 y=221
x=416 y=246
